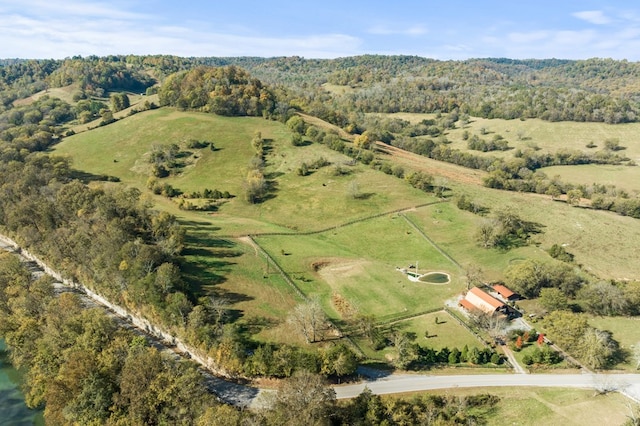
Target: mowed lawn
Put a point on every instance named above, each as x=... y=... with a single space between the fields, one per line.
x=446 y=333
x=358 y=262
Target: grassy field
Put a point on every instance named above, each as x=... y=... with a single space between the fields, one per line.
x=551 y=406
x=545 y=135
x=358 y=263
x=551 y=137
x=626 y=330
x=352 y=268
x=447 y=333
x=604 y=243
x=454 y=230
x=64 y=93
x=319 y=200
x=233 y=271
x=119 y=149
x=622 y=177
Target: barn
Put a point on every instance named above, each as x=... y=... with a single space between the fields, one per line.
x=477 y=299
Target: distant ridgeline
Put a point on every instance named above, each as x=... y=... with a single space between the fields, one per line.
x=599 y=90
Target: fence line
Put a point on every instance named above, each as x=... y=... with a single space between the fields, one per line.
x=433 y=243
x=300 y=294
x=465 y=325
x=276 y=265
x=331 y=228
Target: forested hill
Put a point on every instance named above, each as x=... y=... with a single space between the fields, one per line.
x=600 y=90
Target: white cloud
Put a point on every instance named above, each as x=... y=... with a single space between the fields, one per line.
x=37 y=29
x=415 y=30
x=43 y=29
x=73 y=9
x=596 y=17
x=55 y=38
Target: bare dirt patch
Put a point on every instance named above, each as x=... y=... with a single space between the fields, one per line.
x=338 y=269
x=343 y=306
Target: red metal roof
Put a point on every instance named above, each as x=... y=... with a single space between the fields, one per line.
x=495 y=303
x=503 y=291
x=467 y=305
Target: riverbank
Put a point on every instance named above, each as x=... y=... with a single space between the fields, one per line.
x=13 y=409
x=227 y=391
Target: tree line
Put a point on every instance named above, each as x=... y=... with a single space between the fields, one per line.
x=84 y=369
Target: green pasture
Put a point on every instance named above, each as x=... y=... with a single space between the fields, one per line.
x=626 y=331
x=446 y=333
x=356 y=263
x=539 y=134
x=233 y=271
x=578 y=407
x=359 y=261
x=549 y=406
x=311 y=202
x=552 y=136
x=623 y=177
x=454 y=231
x=119 y=149
x=605 y=243
x=65 y=93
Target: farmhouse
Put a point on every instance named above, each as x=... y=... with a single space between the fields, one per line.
x=506 y=293
x=476 y=299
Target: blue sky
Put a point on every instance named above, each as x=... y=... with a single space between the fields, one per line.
x=446 y=29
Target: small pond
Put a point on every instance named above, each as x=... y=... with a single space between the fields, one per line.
x=435 y=278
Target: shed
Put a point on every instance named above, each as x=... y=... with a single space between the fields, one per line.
x=506 y=293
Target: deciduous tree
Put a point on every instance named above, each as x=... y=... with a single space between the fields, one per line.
x=310 y=320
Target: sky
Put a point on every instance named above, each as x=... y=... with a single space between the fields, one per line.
x=444 y=29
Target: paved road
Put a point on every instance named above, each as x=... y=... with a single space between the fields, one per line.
x=381 y=382
x=627 y=383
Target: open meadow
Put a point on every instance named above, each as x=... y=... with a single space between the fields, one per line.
x=551 y=406
x=540 y=135
x=343 y=229
x=626 y=330
x=623 y=177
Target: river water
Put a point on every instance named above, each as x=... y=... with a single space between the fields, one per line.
x=13 y=410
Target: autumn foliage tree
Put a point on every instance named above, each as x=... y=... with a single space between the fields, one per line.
x=518 y=343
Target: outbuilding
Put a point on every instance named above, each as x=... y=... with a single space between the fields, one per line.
x=506 y=293
x=482 y=301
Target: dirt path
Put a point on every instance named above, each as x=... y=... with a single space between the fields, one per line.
x=434 y=167
x=512 y=360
